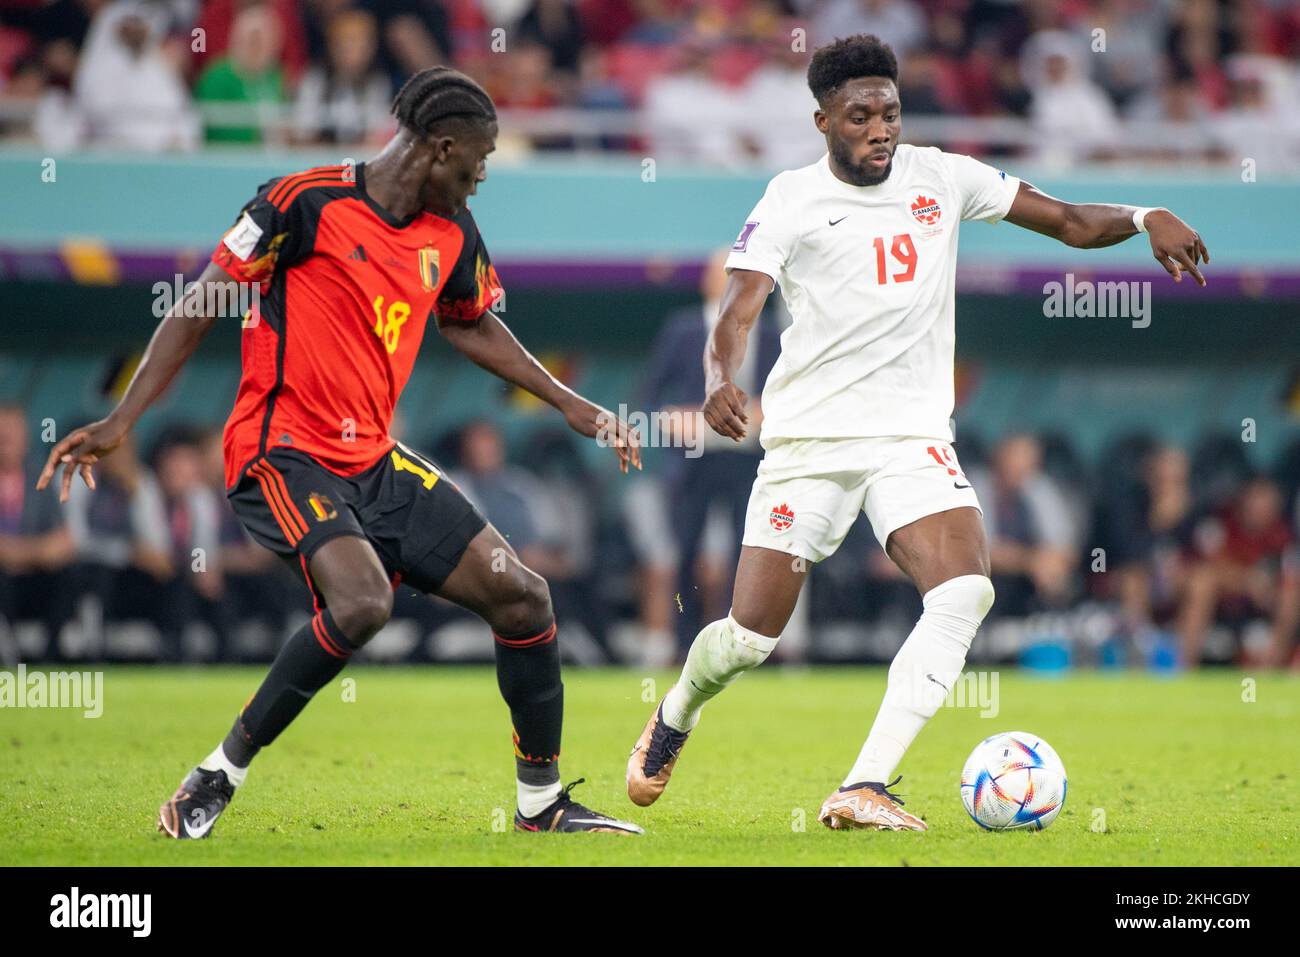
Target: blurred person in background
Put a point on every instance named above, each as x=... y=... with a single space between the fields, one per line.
x=556 y=25
x=128 y=91
x=1073 y=118
x=524 y=79
x=123 y=557
x=690 y=114
x=248 y=74
x=35 y=545
x=195 y=589
x=775 y=106
x=1260 y=120
x=505 y=494
x=1241 y=569
x=1033 y=550
x=346 y=99
x=254 y=581
x=660 y=603
x=43 y=73
x=217 y=21
x=416 y=36
x=1148 y=534
x=900 y=23
x=567 y=515
x=1197 y=40
x=722 y=475
x=1176 y=104
x=1130 y=65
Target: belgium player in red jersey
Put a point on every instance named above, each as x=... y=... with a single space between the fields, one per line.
x=351 y=264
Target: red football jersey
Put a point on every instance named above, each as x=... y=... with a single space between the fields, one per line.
x=345 y=293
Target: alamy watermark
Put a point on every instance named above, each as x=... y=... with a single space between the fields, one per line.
x=56 y=689
x=1085 y=299
x=970 y=689
x=662 y=429
x=216 y=300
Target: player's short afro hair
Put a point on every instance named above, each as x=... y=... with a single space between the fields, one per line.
x=437 y=95
x=847 y=59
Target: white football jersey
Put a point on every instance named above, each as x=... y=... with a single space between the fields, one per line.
x=868 y=274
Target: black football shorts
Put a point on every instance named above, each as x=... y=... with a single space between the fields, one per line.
x=416 y=518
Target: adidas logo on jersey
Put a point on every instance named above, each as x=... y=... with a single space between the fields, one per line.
x=359 y=253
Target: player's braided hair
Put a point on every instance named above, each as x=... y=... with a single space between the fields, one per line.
x=440 y=94
x=847 y=59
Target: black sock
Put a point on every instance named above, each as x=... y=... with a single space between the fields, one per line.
x=309 y=660
x=528 y=674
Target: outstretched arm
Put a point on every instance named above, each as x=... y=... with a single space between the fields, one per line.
x=489 y=344
x=1174 y=244
x=742 y=303
x=173 y=342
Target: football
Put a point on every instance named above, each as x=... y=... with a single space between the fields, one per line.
x=1013 y=780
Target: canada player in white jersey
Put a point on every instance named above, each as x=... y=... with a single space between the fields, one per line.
x=863 y=244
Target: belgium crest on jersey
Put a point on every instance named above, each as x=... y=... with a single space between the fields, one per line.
x=429 y=261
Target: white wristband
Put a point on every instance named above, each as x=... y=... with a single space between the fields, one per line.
x=1140 y=215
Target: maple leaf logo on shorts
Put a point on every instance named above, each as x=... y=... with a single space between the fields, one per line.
x=781 y=517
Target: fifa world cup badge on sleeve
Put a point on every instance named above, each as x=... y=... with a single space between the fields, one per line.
x=243 y=236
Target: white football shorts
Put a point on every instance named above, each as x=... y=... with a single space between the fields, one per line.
x=808 y=492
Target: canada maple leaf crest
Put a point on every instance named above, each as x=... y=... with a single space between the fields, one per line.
x=926 y=210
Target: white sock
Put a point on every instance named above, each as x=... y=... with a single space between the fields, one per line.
x=721 y=653
x=217 y=761
x=533 y=799
x=923 y=673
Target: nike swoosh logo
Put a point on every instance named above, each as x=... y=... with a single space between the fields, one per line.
x=836 y=222
x=607 y=822
x=956 y=485
x=202 y=826
x=938 y=682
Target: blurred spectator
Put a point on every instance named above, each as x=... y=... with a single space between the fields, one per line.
x=568 y=510
x=1073 y=118
x=1147 y=535
x=506 y=495
x=524 y=79
x=35 y=545
x=690 y=115
x=1260 y=120
x=704 y=469
x=1130 y=63
x=1032 y=544
x=346 y=100
x=900 y=23
x=775 y=111
x=1177 y=104
x=718 y=83
x=128 y=93
x=416 y=35
x=122 y=547
x=217 y=22
x=660 y=602
x=247 y=75
x=554 y=24
x=192 y=525
x=1242 y=568
x=255 y=582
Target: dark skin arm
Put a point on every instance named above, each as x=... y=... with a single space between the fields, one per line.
x=742 y=304
x=1174 y=244
x=489 y=344
x=173 y=342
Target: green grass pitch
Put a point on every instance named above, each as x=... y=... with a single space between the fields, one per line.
x=418 y=770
